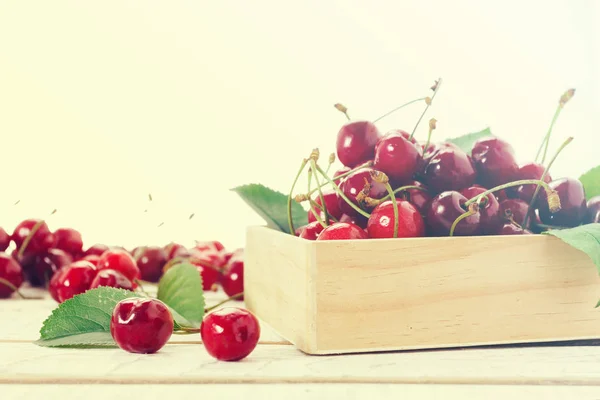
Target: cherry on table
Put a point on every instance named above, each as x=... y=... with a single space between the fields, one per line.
x=449 y=169
x=210 y=275
x=491 y=218
x=381 y=222
x=119 y=260
x=444 y=209
x=529 y=170
x=141 y=325
x=98 y=249
x=353 y=184
x=72 y=280
x=92 y=258
x=4 y=239
x=69 y=240
x=593 y=210
x=494 y=161
x=232 y=280
x=111 y=278
x=573 y=206
x=343 y=231
x=230 y=333
x=356 y=142
x=150 y=261
x=41 y=241
x=11 y=271
x=212 y=245
x=40 y=268
x=175 y=250
x=331 y=205
x=397 y=157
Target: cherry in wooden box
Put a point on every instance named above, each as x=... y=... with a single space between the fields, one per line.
x=333 y=297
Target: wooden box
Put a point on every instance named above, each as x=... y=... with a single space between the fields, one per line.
x=332 y=297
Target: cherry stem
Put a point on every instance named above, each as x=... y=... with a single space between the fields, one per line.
x=435 y=91
x=473 y=209
x=546 y=171
x=400 y=189
x=313 y=165
x=395 y=205
x=341 y=194
x=234 y=297
x=289 y=202
x=312 y=203
x=431 y=128
x=398 y=108
x=343 y=109
x=318 y=207
x=17 y=291
x=546 y=141
x=30 y=236
x=368 y=164
x=553 y=200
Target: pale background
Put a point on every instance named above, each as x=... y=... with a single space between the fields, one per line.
x=104 y=102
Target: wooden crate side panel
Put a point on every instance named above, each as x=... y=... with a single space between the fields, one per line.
x=278 y=286
x=446 y=292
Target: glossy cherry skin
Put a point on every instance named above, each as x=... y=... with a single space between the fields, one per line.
x=512 y=229
x=358 y=219
x=381 y=222
x=528 y=171
x=312 y=231
x=174 y=250
x=356 y=142
x=209 y=257
x=343 y=231
x=4 y=239
x=92 y=258
x=40 y=268
x=494 y=161
x=150 y=260
x=11 y=271
x=72 y=280
x=593 y=210
x=119 y=260
x=572 y=201
x=141 y=325
x=97 y=249
x=42 y=240
x=515 y=207
x=397 y=157
x=444 y=209
x=69 y=240
x=340 y=172
x=210 y=275
x=230 y=333
x=449 y=169
x=232 y=280
x=353 y=184
x=111 y=278
x=331 y=205
x=491 y=219
x=418 y=198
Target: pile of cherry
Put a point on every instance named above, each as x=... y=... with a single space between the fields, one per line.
x=57 y=261
x=438 y=188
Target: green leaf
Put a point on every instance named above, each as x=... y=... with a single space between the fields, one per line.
x=466 y=142
x=84 y=320
x=272 y=206
x=585 y=238
x=180 y=288
x=591 y=182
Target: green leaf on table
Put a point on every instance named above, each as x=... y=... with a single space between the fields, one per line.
x=466 y=142
x=84 y=320
x=180 y=288
x=272 y=206
x=591 y=182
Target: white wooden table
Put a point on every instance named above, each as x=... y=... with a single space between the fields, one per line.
x=276 y=369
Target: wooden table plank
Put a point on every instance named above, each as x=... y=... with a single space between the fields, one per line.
x=300 y=391
x=27 y=363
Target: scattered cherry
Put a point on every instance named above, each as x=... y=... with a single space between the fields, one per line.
x=11 y=271
x=210 y=275
x=331 y=205
x=119 y=260
x=495 y=162
x=356 y=142
x=230 y=333
x=353 y=184
x=381 y=222
x=72 y=280
x=232 y=280
x=444 y=209
x=572 y=203
x=111 y=278
x=342 y=231
x=40 y=268
x=4 y=239
x=312 y=231
x=174 y=250
x=397 y=157
x=449 y=169
x=141 y=325
x=69 y=240
x=97 y=249
x=150 y=260
x=41 y=241
x=593 y=210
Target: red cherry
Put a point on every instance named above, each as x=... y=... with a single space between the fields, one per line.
x=405 y=135
x=119 y=260
x=42 y=240
x=298 y=231
x=358 y=219
x=230 y=333
x=418 y=198
x=354 y=184
x=213 y=245
x=397 y=157
x=40 y=268
x=210 y=275
x=174 y=250
x=573 y=206
x=97 y=249
x=494 y=161
x=72 y=280
x=528 y=171
x=444 y=209
x=512 y=229
x=593 y=210
x=515 y=207
x=381 y=222
x=150 y=261
x=209 y=257
x=340 y=172
x=356 y=142
x=343 y=231
x=69 y=240
x=449 y=169
x=4 y=240
x=92 y=258
x=331 y=205
x=312 y=231
x=232 y=279
x=141 y=325
x=111 y=278
x=11 y=271
x=491 y=219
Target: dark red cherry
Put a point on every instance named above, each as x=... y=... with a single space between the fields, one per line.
x=69 y=240
x=512 y=229
x=340 y=172
x=593 y=210
x=119 y=260
x=343 y=231
x=232 y=280
x=331 y=205
x=230 y=333
x=405 y=135
x=444 y=209
x=572 y=201
x=433 y=148
x=491 y=219
x=39 y=269
x=97 y=249
x=515 y=207
x=354 y=184
x=41 y=241
x=358 y=219
x=528 y=171
x=111 y=278
x=397 y=157
x=150 y=260
x=381 y=223
x=4 y=240
x=174 y=250
x=494 y=161
x=418 y=198
x=72 y=280
x=11 y=271
x=312 y=231
x=449 y=169
x=356 y=142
